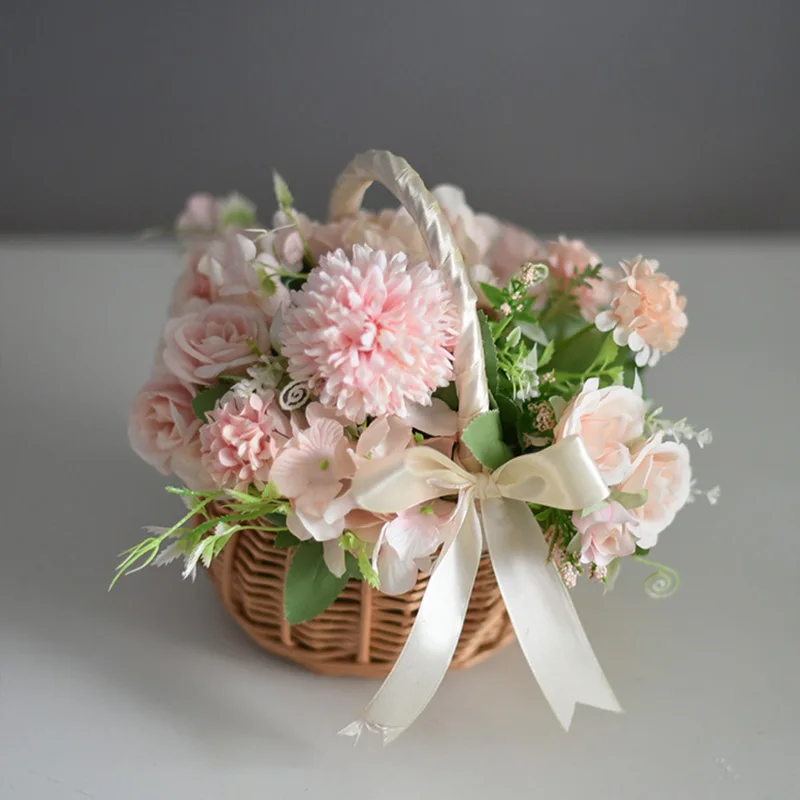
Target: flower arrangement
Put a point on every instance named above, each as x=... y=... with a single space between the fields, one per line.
x=304 y=364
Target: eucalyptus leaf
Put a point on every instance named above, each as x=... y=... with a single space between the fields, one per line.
x=484 y=437
x=489 y=351
x=206 y=399
x=310 y=586
x=574 y=544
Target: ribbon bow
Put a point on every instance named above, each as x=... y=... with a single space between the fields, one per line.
x=495 y=506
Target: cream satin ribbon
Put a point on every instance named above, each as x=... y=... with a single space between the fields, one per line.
x=541 y=611
x=562 y=476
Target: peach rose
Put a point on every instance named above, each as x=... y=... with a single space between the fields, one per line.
x=646 y=313
x=662 y=468
x=606 y=534
x=608 y=420
x=162 y=421
x=201 y=345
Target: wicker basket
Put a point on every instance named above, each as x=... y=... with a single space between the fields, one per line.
x=364 y=631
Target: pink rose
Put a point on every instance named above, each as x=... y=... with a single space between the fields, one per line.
x=646 y=313
x=242 y=438
x=608 y=420
x=201 y=345
x=606 y=534
x=162 y=422
x=662 y=468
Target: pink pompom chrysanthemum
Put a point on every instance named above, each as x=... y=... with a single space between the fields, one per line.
x=372 y=334
x=241 y=439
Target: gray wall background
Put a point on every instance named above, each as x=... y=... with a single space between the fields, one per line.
x=575 y=116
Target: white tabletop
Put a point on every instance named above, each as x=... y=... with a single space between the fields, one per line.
x=153 y=692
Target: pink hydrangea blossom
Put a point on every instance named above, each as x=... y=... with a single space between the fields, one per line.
x=408 y=541
x=647 y=313
x=201 y=345
x=241 y=438
x=609 y=421
x=312 y=470
x=662 y=469
x=162 y=421
x=606 y=534
x=371 y=335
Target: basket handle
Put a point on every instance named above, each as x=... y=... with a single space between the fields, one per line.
x=405 y=184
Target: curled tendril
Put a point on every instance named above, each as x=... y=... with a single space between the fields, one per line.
x=661 y=583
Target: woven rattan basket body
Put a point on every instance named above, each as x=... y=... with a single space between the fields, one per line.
x=363 y=632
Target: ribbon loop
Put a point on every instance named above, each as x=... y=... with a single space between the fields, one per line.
x=541 y=611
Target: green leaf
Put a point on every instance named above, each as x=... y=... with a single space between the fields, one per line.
x=509 y=418
x=574 y=544
x=630 y=499
x=448 y=395
x=484 y=437
x=310 y=586
x=268 y=285
x=578 y=353
x=642 y=551
x=282 y=193
x=237 y=212
x=612 y=574
x=494 y=295
x=205 y=400
x=531 y=329
x=352 y=567
x=607 y=353
x=285 y=540
x=547 y=354
x=489 y=351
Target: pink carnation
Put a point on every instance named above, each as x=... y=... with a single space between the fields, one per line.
x=162 y=422
x=371 y=335
x=241 y=439
x=647 y=314
x=570 y=258
x=512 y=248
x=201 y=345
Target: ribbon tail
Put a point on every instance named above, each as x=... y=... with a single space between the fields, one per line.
x=431 y=644
x=541 y=611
